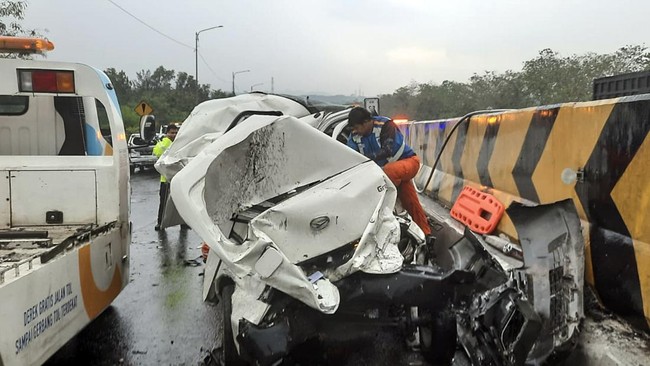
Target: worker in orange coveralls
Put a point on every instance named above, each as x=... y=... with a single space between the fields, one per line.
x=379 y=139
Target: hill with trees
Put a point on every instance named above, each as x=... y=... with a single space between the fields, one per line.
x=171 y=94
x=548 y=78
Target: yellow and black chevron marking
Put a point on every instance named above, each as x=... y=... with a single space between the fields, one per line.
x=523 y=154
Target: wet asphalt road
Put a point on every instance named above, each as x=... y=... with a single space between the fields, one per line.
x=159 y=318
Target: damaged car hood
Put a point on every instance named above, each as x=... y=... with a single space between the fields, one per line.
x=273 y=193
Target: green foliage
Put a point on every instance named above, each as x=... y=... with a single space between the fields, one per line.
x=172 y=95
x=121 y=83
x=130 y=118
x=548 y=78
x=11 y=13
x=400 y=100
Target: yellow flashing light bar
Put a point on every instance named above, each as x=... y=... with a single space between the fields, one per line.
x=25 y=45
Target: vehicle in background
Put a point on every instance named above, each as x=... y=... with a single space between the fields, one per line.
x=162 y=129
x=633 y=83
x=64 y=201
x=305 y=242
x=141 y=153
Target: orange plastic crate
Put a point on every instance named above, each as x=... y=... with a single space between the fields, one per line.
x=477 y=210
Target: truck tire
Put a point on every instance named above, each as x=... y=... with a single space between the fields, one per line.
x=438 y=337
x=228 y=349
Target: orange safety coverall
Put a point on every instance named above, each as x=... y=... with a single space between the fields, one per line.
x=401 y=173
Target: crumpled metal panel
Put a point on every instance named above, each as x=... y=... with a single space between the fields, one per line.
x=553 y=247
x=210 y=119
x=206 y=123
x=289 y=222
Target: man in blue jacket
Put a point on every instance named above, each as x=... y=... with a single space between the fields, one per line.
x=379 y=139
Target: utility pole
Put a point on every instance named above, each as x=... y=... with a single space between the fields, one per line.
x=233 y=79
x=272 y=85
x=196 y=56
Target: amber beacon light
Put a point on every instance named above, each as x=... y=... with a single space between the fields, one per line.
x=25 y=45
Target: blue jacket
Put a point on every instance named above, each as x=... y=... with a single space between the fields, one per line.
x=384 y=144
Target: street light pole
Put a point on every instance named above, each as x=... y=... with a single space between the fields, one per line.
x=254 y=85
x=233 y=79
x=196 y=53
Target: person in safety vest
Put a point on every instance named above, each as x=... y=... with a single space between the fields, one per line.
x=379 y=139
x=158 y=150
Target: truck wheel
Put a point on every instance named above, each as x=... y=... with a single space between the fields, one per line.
x=438 y=338
x=228 y=349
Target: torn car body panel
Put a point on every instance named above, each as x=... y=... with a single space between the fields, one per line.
x=554 y=273
x=201 y=128
x=207 y=122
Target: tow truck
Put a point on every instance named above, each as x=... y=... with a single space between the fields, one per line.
x=64 y=201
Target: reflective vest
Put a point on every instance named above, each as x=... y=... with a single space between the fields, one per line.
x=160 y=149
x=370 y=145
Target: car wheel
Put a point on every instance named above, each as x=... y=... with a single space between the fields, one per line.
x=438 y=337
x=132 y=168
x=229 y=351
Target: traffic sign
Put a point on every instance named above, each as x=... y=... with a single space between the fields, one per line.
x=372 y=105
x=143 y=108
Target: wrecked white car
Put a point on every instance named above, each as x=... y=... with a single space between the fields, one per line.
x=304 y=242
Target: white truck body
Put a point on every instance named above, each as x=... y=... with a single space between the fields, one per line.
x=64 y=207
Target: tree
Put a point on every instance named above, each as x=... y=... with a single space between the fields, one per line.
x=631 y=59
x=548 y=78
x=399 y=101
x=120 y=82
x=130 y=118
x=543 y=77
x=11 y=13
x=425 y=103
x=492 y=90
x=172 y=95
x=218 y=94
x=454 y=99
x=162 y=79
x=143 y=81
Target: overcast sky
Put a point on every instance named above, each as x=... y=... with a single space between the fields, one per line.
x=333 y=46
